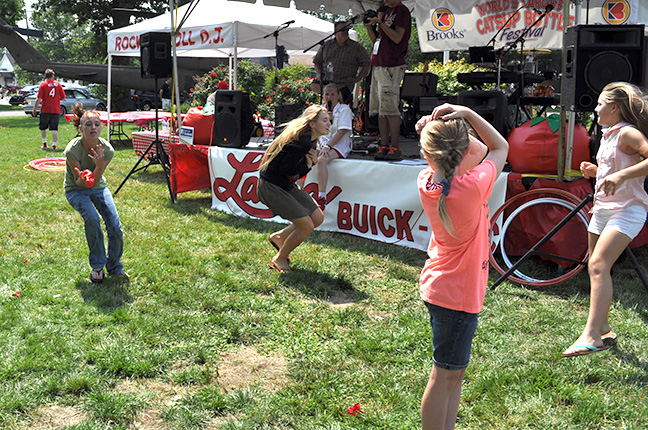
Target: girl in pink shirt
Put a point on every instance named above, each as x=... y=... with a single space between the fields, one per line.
x=620 y=202
x=453 y=281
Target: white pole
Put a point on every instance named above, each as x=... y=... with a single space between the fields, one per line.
x=175 y=66
x=235 y=57
x=109 y=91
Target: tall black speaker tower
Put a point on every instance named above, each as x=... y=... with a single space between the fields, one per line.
x=155 y=53
x=233 y=121
x=596 y=55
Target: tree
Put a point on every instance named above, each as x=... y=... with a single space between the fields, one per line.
x=100 y=16
x=12 y=11
x=63 y=38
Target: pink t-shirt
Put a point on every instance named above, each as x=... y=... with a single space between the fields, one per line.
x=456 y=273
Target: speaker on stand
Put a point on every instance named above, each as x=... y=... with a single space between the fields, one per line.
x=155 y=55
x=156 y=62
x=596 y=55
x=233 y=121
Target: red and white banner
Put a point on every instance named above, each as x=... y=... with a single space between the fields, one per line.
x=457 y=25
x=371 y=199
x=188 y=39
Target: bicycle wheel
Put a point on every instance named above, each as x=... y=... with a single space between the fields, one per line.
x=557 y=202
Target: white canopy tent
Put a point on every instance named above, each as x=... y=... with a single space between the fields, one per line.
x=218 y=28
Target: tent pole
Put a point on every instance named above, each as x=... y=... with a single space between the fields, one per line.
x=175 y=68
x=109 y=88
x=235 y=57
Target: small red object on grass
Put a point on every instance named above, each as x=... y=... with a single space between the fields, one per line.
x=16 y=294
x=88 y=177
x=353 y=410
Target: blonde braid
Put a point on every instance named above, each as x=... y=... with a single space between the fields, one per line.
x=446 y=143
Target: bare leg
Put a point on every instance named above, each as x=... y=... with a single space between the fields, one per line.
x=604 y=251
x=43 y=134
x=394 y=129
x=440 y=402
x=383 y=128
x=54 y=135
x=322 y=169
x=294 y=235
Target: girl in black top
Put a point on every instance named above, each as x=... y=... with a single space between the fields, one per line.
x=289 y=157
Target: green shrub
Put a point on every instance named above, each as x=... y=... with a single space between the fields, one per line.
x=251 y=78
x=447 y=73
x=289 y=85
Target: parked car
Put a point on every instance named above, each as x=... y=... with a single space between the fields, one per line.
x=19 y=98
x=146 y=100
x=73 y=95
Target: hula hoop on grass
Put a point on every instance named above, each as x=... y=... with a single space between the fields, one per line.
x=49 y=164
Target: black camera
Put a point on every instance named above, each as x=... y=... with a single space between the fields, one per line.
x=370 y=13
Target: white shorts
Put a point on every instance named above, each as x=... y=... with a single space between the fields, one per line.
x=628 y=221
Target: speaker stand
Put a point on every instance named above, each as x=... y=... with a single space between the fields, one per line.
x=160 y=157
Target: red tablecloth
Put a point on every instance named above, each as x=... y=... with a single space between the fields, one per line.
x=142 y=139
x=140 y=118
x=189 y=167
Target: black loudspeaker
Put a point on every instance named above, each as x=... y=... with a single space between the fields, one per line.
x=596 y=55
x=490 y=105
x=233 y=121
x=155 y=55
x=419 y=85
x=285 y=113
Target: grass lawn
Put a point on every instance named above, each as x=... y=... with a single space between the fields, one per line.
x=206 y=336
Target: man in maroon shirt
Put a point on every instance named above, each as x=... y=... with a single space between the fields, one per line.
x=388 y=60
x=50 y=93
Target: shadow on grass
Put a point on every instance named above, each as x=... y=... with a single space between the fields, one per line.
x=628 y=288
x=108 y=296
x=348 y=242
x=336 y=290
x=634 y=361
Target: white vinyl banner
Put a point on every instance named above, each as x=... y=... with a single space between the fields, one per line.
x=452 y=25
x=371 y=199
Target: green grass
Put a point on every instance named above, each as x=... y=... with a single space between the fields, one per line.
x=205 y=336
x=10 y=108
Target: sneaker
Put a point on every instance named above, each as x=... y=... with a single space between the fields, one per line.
x=321 y=202
x=44 y=146
x=53 y=147
x=394 y=154
x=380 y=154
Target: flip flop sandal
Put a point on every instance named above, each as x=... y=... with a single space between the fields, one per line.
x=274 y=266
x=97 y=276
x=588 y=349
x=609 y=338
x=277 y=248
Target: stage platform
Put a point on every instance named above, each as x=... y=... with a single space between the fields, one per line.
x=364 y=146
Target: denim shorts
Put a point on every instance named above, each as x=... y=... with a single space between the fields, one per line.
x=452 y=335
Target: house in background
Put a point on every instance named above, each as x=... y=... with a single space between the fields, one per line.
x=7 y=64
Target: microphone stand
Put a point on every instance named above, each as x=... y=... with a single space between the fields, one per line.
x=513 y=45
x=499 y=57
x=276 y=38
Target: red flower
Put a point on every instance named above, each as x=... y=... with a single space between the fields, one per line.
x=353 y=410
x=16 y=294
